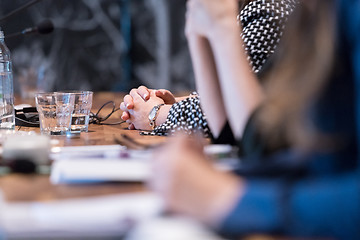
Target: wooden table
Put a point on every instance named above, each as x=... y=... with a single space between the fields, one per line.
x=17 y=187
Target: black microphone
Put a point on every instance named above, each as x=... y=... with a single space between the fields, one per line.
x=44 y=27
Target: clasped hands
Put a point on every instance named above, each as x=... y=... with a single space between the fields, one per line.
x=137 y=105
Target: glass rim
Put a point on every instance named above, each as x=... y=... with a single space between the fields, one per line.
x=80 y=92
x=51 y=93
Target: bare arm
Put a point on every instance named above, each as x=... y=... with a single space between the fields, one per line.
x=227 y=86
x=240 y=88
x=207 y=82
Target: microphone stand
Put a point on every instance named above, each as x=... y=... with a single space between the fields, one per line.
x=14 y=12
x=13 y=35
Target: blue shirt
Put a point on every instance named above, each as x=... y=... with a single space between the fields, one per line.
x=320 y=197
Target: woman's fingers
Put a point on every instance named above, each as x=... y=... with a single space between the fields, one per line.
x=131 y=126
x=135 y=95
x=125 y=116
x=166 y=96
x=123 y=106
x=128 y=103
x=144 y=92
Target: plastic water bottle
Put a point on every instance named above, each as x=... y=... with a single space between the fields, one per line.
x=7 y=114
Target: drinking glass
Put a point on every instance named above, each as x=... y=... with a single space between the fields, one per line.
x=81 y=112
x=55 y=112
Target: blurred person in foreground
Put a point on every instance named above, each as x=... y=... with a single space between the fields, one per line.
x=311 y=99
x=262 y=23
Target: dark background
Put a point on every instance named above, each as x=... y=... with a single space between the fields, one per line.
x=101 y=45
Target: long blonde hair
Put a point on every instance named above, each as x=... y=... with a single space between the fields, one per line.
x=300 y=69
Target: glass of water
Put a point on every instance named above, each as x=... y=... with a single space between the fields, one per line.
x=82 y=109
x=55 y=112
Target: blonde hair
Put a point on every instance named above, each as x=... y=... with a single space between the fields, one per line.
x=300 y=69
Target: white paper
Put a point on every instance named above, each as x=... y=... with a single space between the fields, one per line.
x=96 y=216
x=172 y=228
x=99 y=170
x=59 y=153
x=87 y=164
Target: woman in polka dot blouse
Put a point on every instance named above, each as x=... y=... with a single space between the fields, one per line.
x=262 y=23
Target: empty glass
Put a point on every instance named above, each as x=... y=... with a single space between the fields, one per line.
x=55 y=112
x=82 y=109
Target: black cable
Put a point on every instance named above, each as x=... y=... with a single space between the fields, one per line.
x=96 y=119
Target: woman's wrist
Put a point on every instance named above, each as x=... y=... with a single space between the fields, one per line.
x=178 y=99
x=162 y=115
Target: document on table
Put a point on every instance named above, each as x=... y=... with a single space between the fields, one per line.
x=99 y=170
x=89 y=164
x=99 y=164
x=100 y=217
